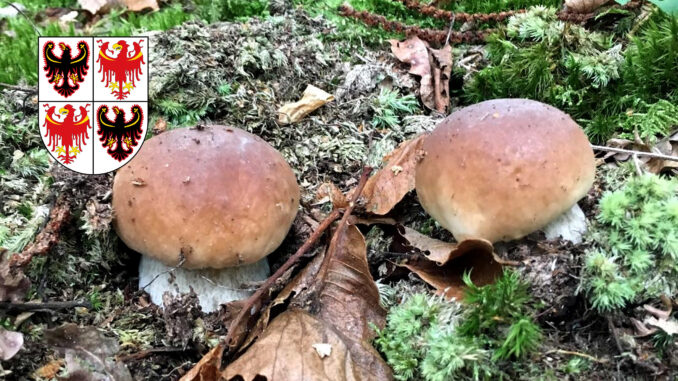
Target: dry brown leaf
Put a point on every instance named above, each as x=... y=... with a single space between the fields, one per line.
x=49 y=370
x=391 y=183
x=286 y=351
x=312 y=99
x=441 y=68
x=439 y=251
x=208 y=368
x=668 y=146
x=329 y=192
x=102 y=6
x=434 y=66
x=345 y=301
x=447 y=279
x=584 y=6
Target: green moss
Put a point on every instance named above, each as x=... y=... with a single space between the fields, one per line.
x=587 y=74
x=428 y=338
x=635 y=254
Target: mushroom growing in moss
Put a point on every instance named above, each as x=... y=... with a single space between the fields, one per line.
x=213 y=202
x=501 y=169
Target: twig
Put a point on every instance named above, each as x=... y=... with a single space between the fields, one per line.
x=584 y=355
x=636 y=164
x=430 y=35
x=182 y=260
x=25 y=16
x=250 y=304
x=632 y=152
x=429 y=10
x=47 y=238
x=143 y=354
x=38 y=306
x=20 y=88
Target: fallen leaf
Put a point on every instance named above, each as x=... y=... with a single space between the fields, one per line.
x=344 y=301
x=441 y=69
x=447 y=279
x=160 y=126
x=89 y=353
x=387 y=187
x=14 y=283
x=312 y=99
x=667 y=146
x=10 y=343
x=413 y=52
x=103 y=6
x=584 y=6
x=328 y=192
x=434 y=66
x=49 y=370
x=208 y=368
x=439 y=251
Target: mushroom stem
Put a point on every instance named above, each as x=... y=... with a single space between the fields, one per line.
x=213 y=286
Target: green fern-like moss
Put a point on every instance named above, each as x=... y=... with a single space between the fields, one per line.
x=636 y=245
x=429 y=338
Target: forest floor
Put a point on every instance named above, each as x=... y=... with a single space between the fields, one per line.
x=239 y=73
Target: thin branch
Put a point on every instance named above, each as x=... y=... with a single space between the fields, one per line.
x=25 y=16
x=584 y=355
x=48 y=237
x=638 y=153
x=43 y=306
x=148 y=352
x=31 y=89
x=250 y=307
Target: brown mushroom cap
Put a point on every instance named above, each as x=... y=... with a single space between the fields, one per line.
x=218 y=196
x=504 y=168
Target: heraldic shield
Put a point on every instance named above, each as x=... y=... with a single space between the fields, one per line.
x=93 y=94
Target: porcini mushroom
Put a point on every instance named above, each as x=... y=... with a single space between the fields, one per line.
x=209 y=204
x=501 y=169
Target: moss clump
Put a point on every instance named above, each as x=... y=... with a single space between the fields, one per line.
x=635 y=245
x=588 y=74
x=432 y=339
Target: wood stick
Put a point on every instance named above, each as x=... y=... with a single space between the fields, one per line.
x=249 y=306
x=38 y=306
x=632 y=152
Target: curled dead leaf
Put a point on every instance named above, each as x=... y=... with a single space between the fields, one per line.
x=434 y=66
x=439 y=251
x=388 y=186
x=477 y=258
x=208 y=368
x=312 y=99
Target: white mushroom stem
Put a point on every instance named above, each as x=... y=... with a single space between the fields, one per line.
x=570 y=226
x=213 y=287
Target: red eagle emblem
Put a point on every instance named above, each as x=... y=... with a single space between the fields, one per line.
x=121 y=66
x=66 y=137
x=120 y=136
x=65 y=72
